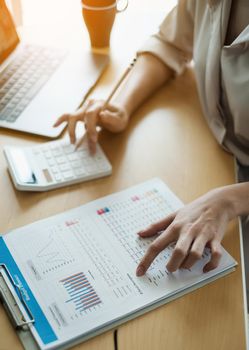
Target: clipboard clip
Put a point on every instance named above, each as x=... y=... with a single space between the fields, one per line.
x=10 y=304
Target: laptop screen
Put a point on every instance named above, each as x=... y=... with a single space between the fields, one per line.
x=8 y=35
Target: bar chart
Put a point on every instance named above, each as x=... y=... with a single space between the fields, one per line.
x=80 y=291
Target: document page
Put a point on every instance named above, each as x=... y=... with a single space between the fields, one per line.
x=77 y=269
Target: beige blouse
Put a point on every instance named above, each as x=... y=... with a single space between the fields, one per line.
x=215 y=34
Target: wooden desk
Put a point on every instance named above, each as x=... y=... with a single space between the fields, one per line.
x=167 y=138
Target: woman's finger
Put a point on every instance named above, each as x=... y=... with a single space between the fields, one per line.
x=71 y=129
x=82 y=115
x=72 y=121
x=107 y=117
x=92 y=144
x=154 y=249
x=112 y=121
x=157 y=226
x=180 y=252
x=195 y=252
x=91 y=120
x=63 y=118
x=112 y=108
x=216 y=253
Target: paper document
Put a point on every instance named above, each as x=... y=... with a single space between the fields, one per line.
x=77 y=269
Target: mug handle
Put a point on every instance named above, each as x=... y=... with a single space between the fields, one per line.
x=126 y=3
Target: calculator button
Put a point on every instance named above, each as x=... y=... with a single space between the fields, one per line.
x=51 y=162
x=73 y=157
x=76 y=164
x=47 y=154
x=68 y=175
x=68 y=149
x=36 y=151
x=102 y=165
x=61 y=160
x=84 y=162
x=80 y=172
x=83 y=153
x=54 y=169
x=91 y=168
x=58 y=177
x=64 y=167
x=57 y=152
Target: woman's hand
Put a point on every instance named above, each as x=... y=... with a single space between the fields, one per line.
x=113 y=118
x=197 y=225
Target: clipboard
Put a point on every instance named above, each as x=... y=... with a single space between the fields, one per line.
x=79 y=298
x=11 y=299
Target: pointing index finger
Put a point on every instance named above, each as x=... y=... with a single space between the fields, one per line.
x=154 y=249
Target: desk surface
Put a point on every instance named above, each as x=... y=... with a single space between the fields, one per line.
x=167 y=138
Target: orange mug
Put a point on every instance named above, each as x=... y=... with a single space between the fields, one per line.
x=99 y=16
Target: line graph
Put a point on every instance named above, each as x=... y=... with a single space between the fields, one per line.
x=55 y=250
x=49 y=252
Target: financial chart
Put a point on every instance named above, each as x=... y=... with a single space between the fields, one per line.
x=80 y=291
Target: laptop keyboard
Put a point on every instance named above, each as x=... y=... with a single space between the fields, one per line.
x=21 y=80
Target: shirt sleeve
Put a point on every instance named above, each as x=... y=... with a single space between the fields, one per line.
x=173 y=44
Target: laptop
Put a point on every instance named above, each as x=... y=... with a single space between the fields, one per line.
x=39 y=84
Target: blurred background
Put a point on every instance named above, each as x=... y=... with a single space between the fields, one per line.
x=60 y=21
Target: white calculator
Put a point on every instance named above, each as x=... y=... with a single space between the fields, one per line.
x=54 y=164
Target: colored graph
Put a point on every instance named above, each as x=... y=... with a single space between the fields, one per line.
x=80 y=292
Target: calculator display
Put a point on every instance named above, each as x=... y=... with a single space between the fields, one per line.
x=22 y=168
